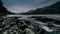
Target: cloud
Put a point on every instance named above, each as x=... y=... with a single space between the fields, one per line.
x=25 y=5
x=16 y=9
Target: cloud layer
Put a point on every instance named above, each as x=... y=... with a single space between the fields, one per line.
x=25 y=5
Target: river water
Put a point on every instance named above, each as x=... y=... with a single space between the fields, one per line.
x=46 y=27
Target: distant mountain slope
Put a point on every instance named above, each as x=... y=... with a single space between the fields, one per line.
x=3 y=10
x=53 y=9
x=56 y=5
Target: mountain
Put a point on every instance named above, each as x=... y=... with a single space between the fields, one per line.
x=52 y=9
x=3 y=10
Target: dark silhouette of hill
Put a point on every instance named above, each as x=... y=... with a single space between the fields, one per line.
x=3 y=10
x=53 y=9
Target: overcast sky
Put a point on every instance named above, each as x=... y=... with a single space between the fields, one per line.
x=18 y=6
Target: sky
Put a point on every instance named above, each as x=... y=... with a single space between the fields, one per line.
x=20 y=6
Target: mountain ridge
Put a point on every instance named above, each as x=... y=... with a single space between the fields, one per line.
x=3 y=10
x=53 y=9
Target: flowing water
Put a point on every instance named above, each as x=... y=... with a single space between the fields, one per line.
x=25 y=24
